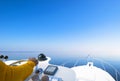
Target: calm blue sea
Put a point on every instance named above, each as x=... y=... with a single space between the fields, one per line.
x=110 y=65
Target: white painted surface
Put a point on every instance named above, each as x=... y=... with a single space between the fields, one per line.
x=91 y=73
x=80 y=73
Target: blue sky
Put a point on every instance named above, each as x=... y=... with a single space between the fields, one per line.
x=66 y=26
